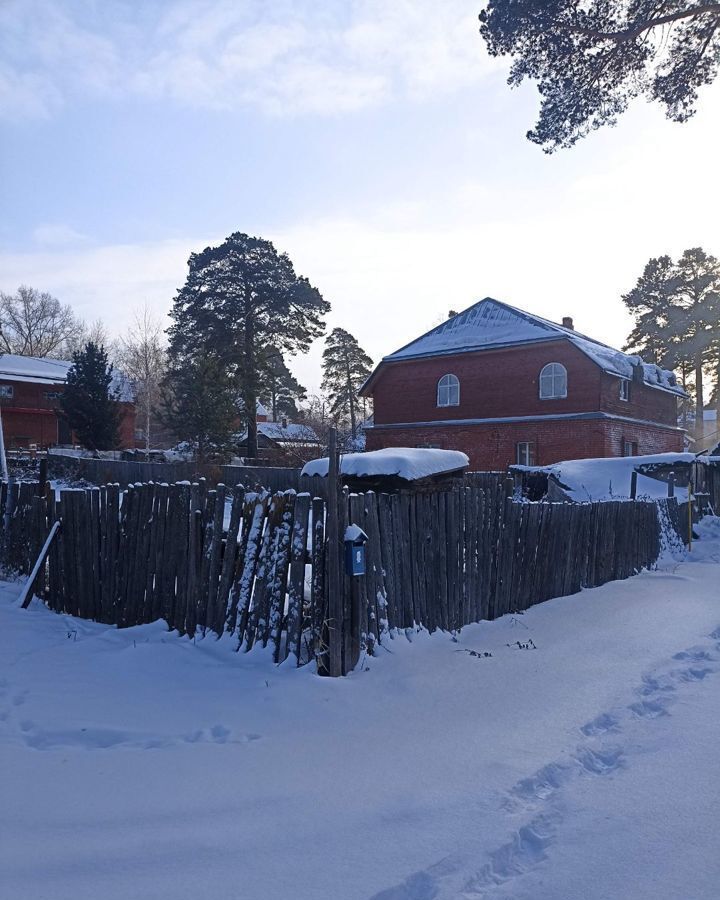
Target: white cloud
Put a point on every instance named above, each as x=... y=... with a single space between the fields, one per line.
x=57 y=234
x=284 y=58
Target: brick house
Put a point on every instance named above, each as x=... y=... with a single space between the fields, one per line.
x=508 y=387
x=30 y=391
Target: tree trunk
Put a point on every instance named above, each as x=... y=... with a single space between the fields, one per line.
x=699 y=404
x=249 y=392
x=147 y=421
x=351 y=399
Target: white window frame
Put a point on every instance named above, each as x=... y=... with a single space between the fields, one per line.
x=553 y=381
x=7 y=391
x=448 y=390
x=625 y=390
x=525 y=453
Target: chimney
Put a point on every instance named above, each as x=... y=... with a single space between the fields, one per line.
x=568 y=323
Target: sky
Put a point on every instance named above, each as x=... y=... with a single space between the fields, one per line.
x=375 y=142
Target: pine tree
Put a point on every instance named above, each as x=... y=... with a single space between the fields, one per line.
x=199 y=404
x=279 y=390
x=677 y=315
x=345 y=367
x=89 y=402
x=238 y=299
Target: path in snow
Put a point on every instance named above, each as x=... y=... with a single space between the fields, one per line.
x=610 y=743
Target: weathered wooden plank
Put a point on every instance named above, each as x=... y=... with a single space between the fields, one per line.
x=296 y=580
x=229 y=559
x=240 y=596
x=277 y=588
x=318 y=594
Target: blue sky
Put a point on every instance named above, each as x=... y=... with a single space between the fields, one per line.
x=373 y=141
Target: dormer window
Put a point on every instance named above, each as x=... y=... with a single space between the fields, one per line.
x=553 y=382
x=448 y=391
x=625 y=389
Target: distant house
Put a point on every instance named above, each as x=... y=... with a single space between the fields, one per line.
x=507 y=387
x=30 y=391
x=281 y=441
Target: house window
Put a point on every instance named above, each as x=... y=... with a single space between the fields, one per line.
x=525 y=453
x=52 y=395
x=630 y=448
x=553 y=381
x=624 y=389
x=448 y=391
x=6 y=391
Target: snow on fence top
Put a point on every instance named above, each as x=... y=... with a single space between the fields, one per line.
x=610 y=478
x=410 y=463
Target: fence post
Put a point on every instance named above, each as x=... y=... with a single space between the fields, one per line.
x=334 y=585
x=671 y=484
x=633 y=484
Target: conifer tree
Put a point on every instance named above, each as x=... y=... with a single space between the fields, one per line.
x=591 y=58
x=240 y=298
x=199 y=404
x=345 y=367
x=677 y=315
x=280 y=391
x=89 y=402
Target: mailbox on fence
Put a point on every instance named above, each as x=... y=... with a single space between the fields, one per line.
x=355 y=540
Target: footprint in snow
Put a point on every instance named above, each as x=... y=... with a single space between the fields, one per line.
x=601 y=725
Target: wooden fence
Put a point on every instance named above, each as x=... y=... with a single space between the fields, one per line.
x=126 y=472
x=254 y=565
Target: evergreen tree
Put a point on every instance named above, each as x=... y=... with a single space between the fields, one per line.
x=345 y=367
x=89 y=402
x=677 y=315
x=238 y=299
x=590 y=58
x=280 y=391
x=199 y=404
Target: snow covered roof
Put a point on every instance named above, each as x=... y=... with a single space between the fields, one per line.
x=490 y=324
x=36 y=370
x=410 y=463
x=31 y=368
x=290 y=432
x=610 y=478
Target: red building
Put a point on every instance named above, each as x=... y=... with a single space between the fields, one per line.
x=30 y=391
x=508 y=387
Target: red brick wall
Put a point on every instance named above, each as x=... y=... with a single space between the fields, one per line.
x=30 y=418
x=493 y=383
x=645 y=402
x=505 y=383
x=493 y=447
x=21 y=429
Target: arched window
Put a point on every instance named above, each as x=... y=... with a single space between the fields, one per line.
x=448 y=391
x=553 y=381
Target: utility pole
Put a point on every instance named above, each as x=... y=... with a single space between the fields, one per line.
x=3 y=458
x=334 y=596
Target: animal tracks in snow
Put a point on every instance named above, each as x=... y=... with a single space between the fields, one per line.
x=537 y=800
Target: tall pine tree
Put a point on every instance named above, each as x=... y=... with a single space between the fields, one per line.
x=677 y=316
x=240 y=298
x=89 y=402
x=345 y=367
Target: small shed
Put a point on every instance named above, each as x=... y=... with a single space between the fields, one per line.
x=391 y=469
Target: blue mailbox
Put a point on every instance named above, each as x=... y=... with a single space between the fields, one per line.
x=355 y=540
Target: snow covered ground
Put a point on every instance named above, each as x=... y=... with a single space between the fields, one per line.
x=578 y=760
